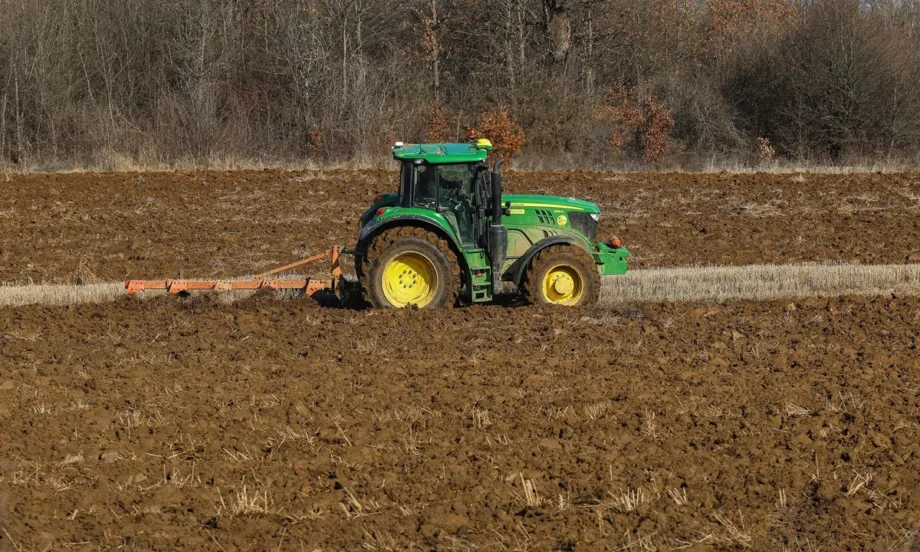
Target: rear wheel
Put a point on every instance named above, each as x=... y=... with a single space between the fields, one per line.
x=562 y=275
x=410 y=267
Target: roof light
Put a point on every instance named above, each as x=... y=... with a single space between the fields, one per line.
x=484 y=144
x=398 y=145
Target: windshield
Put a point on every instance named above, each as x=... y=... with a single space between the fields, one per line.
x=443 y=185
x=460 y=174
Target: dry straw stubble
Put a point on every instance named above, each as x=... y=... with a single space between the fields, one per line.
x=761 y=282
x=720 y=283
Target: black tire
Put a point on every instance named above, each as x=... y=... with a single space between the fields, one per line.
x=572 y=261
x=418 y=243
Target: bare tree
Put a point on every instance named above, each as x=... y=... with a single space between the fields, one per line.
x=96 y=82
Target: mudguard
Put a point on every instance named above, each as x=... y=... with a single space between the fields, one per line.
x=516 y=270
x=376 y=226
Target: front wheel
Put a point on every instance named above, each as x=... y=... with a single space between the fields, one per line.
x=562 y=275
x=410 y=267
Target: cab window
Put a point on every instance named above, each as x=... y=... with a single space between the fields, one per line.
x=426 y=186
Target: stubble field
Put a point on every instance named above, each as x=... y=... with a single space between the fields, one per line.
x=264 y=424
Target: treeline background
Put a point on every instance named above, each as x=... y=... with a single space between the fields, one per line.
x=616 y=83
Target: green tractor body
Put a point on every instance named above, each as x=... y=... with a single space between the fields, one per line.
x=449 y=232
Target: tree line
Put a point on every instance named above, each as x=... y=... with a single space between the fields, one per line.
x=92 y=83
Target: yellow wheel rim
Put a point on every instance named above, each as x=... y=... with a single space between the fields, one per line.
x=562 y=285
x=409 y=279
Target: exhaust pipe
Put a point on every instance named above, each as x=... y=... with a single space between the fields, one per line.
x=497 y=192
x=498 y=234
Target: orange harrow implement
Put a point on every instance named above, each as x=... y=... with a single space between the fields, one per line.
x=260 y=281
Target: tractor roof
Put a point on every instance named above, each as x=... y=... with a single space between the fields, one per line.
x=440 y=153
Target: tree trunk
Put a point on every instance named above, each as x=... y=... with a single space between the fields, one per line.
x=521 y=44
x=3 y=125
x=589 y=74
x=3 y=130
x=435 y=53
x=344 y=51
x=558 y=28
x=509 y=58
x=358 y=31
x=19 y=149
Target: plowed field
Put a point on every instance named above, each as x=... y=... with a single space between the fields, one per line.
x=77 y=227
x=181 y=424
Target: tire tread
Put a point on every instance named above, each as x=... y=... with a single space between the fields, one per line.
x=553 y=254
x=380 y=244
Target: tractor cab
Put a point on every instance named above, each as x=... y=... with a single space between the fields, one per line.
x=458 y=190
x=449 y=233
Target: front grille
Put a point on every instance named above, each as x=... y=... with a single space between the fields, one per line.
x=584 y=223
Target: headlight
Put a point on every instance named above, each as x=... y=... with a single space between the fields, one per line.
x=596 y=217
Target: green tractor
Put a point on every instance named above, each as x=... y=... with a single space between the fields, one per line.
x=448 y=235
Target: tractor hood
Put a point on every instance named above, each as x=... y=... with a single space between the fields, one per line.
x=550 y=202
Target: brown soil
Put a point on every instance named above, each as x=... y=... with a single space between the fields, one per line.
x=191 y=424
x=179 y=425
x=81 y=227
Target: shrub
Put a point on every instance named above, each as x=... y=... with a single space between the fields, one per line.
x=507 y=137
x=639 y=127
x=765 y=150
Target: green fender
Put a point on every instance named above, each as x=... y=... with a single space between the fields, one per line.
x=431 y=221
x=516 y=270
